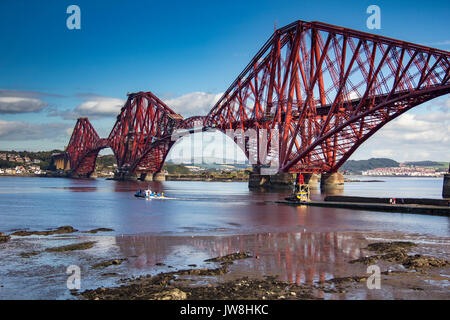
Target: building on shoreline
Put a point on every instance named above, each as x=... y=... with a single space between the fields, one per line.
x=404 y=171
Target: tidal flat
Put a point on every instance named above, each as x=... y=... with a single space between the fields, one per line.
x=263 y=266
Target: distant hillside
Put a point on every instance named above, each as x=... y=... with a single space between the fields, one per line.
x=175 y=168
x=44 y=156
x=210 y=163
x=106 y=160
x=427 y=163
x=357 y=166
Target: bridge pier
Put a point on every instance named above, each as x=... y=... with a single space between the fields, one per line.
x=142 y=176
x=124 y=176
x=279 y=181
x=446 y=186
x=332 y=181
x=159 y=176
x=271 y=182
x=146 y=176
x=312 y=179
x=81 y=176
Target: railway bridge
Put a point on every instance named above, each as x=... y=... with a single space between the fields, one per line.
x=312 y=94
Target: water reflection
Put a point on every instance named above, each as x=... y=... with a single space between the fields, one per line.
x=296 y=257
x=198 y=208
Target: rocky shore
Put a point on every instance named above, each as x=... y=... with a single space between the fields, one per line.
x=253 y=273
x=173 y=286
x=4 y=238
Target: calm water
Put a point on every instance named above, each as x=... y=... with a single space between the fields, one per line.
x=201 y=208
x=204 y=220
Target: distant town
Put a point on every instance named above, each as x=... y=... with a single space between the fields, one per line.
x=388 y=167
x=23 y=163
x=405 y=171
x=15 y=164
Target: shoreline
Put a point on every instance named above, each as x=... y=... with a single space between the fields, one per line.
x=194 y=177
x=115 y=266
x=347 y=178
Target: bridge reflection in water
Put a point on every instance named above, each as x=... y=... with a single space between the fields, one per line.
x=296 y=257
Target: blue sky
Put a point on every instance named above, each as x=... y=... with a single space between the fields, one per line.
x=173 y=49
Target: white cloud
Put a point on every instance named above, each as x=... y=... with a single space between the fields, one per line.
x=441 y=43
x=352 y=95
x=16 y=130
x=100 y=106
x=21 y=105
x=94 y=107
x=382 y=153
x=412 y=136
x=194 y=103
x=206 y=146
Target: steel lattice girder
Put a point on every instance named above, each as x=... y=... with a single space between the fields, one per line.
x=326 y=89
x=192 y=122
x=83 y=147
x=144 y=127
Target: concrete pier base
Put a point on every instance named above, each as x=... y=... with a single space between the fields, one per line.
x=271 y=182
x=281 y=181
x=446 y=186
x=77 y=176
x=159 y=176
x=146 y=176
x=332 y=181
x=126 y=177
x=312 y=179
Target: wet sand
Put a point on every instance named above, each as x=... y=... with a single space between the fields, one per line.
x=282 y=265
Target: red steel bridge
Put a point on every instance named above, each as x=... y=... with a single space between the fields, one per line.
x=324 y=89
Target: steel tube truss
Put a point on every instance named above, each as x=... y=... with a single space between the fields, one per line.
x=83 y=148
x=141 y=137
x=327 y=89
x=323 y=89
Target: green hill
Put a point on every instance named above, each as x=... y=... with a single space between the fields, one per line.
x=357 y=166
x=106 y=160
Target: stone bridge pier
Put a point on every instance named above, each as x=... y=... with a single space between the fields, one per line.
x=286 y=181
x=446 y=186
x=142 y=176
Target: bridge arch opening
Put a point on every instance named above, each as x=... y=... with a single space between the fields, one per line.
x=206 y=147
x=106 y=163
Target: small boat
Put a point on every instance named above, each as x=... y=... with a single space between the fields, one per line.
x=148 y=194
x=301 y=194
x=139 y=194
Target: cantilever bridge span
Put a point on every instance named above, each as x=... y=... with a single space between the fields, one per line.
x=323 y=89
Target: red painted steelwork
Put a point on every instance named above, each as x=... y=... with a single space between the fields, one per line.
x=192 y=122
x=83 y=148
x=141 y=137
x=324 y=89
